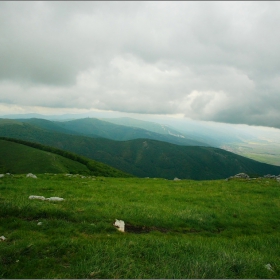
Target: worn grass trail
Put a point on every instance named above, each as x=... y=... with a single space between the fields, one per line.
x=176 y=229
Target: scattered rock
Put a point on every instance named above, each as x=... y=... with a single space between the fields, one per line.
x=269 y=176
x=177 y=179
x=40 y=223
x=245 y=176
x=268 y=266
x=55 y=198
x=30 y=175
x=2 y=238
x=242 y=175
x=43 y=198
x=120 y=225
x=7 y=174
x=78 y=175
x=239 y=176
x=37 y=197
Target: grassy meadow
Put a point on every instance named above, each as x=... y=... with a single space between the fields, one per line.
x=174 y=229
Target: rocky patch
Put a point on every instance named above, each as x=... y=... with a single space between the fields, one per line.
x=30 y=175
x=246 y=176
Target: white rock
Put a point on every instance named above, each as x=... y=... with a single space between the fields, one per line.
x=2 y=238
x=2 y=175
x=120 y=225
x=269 y=267
x=40 y=223
x=55 y=198
x=242 y=175
x=37 y=197
x=30 y=175
x=177 y=179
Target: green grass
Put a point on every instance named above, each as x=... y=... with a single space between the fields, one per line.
x=18 y=156
x=177 y=229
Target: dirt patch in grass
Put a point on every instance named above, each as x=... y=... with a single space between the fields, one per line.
x=145 y=229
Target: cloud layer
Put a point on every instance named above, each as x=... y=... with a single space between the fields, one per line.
x=215 y=61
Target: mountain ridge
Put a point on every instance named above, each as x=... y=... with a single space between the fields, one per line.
x=145 y=157
x=96 y=128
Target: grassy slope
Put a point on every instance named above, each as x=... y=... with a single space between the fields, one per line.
x=206 y=229
x=17 y=158
x=146 y=158
x=29 y=157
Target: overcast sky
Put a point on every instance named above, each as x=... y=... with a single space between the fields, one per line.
x=216 y=61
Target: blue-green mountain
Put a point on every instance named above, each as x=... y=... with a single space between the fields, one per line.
x=144 y=157
x=98 y=128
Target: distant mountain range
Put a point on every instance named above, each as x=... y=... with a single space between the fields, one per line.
x=150 y=126
x=141 y=157
x=98 y=128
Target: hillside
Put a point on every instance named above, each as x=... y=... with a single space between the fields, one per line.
x=144 y=157
x=48 y=125
x=93 y=127
x=18 y=158
x=173 y=229
x=150 y=126
x=260 y=144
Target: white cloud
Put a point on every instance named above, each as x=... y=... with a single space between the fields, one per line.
x=207 y=60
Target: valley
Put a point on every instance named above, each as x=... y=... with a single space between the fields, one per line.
x=263 y=150
x=142 y=157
